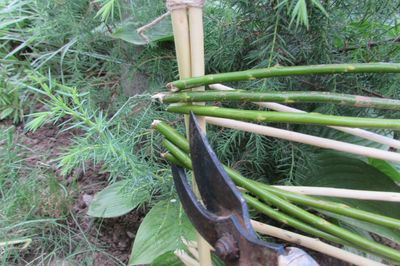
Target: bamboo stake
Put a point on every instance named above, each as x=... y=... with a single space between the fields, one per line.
x=292 y=209
x=172 y=135
x=278 y=117
x=180 y=24
x=196 y=32
x=280 y=71
x=333 y=207
x=283 y=97
x=343 y=193
x=265 y=209
x=352 y=131
x=314 y=244
x=285 y=219
x=306 y=139
x=292 y=222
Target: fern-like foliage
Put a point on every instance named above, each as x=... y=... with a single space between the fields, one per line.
x=122 y=143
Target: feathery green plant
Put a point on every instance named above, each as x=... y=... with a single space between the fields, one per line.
x=121 y=142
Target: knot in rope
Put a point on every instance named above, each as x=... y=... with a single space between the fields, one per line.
x=178 y=4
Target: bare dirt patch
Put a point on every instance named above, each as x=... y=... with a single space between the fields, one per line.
x=113 y=236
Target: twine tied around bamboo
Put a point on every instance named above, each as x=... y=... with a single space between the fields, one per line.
x=178 y=4
x=171 y=5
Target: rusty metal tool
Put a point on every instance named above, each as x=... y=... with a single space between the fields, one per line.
x=223 y=218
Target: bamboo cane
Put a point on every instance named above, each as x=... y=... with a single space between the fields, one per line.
x=343 y=193
x=306 y=139
x=278 y=117
x=282 y=97
x=180 y=25
x=274 y=214
x=314 y=244
x=283 y=218
x=352 y=131
x=284 y=134
x=333 y=207
x=280 y=71
x=195 y=15
x=292 y=209
x=308 y=242
x=298 y=198
x=172 y=135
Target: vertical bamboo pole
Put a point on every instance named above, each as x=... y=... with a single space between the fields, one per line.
x=184 y=53
x=180 y=25
x=197 y=64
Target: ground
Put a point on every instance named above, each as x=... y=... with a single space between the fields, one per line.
x=113 y=237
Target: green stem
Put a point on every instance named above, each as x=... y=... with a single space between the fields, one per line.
x=171 y=134
x=314 y=220
x=288 y=207
x=179 y=156
x=286 y=219
x=333 y=207
x=291 y=209
x=170 y=158
x=281 y=117
x=280 y=71
x=284 y=97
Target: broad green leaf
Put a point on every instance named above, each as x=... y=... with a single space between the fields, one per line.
x=167 y=259
x=387 y=168
x=161 y=231
x=341 y=136
x=341 y=171
x=158 y=33
x=115 y=200
x=170 y=259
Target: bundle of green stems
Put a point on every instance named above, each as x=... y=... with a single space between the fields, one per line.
x=283 y=206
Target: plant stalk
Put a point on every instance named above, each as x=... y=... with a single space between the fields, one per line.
x=343 y=193
x=305 y=138
x=283 y=97
x=176 y=139
x=292 y=209
x=314 y=244
x=333 y=207
x=305 y=216
x=183 y=21
x=261 y=207
x=280 y=71
x=278 y=117
x=352 y=131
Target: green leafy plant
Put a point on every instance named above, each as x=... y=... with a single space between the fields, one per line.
x=107 y=141
x=159 y=233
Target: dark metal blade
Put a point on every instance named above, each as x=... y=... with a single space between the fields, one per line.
x=201 y=218
x=245 y=250
x=217 y=190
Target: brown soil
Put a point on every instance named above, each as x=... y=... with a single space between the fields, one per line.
x=114 y=236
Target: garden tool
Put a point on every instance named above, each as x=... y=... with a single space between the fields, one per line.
x=222 y=218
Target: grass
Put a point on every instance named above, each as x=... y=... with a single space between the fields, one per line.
x=35 y=207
